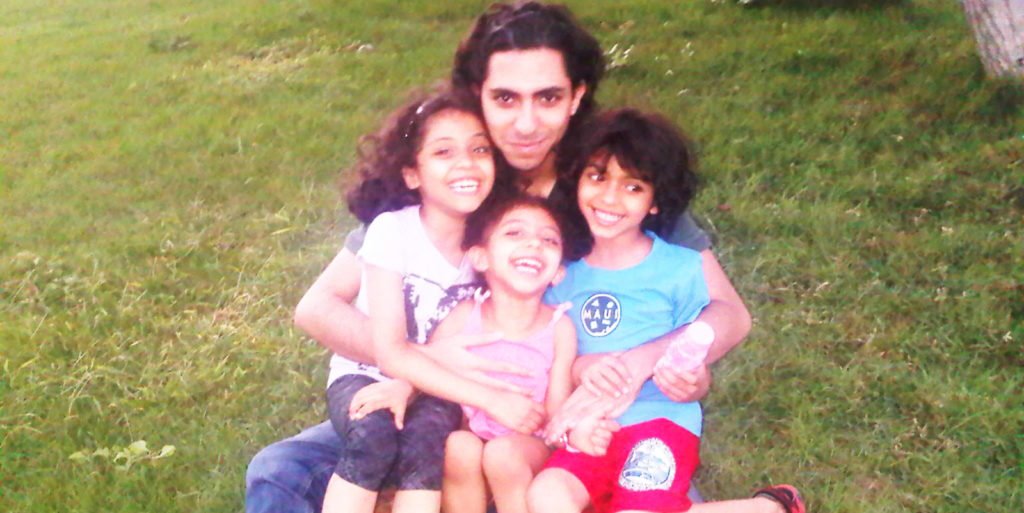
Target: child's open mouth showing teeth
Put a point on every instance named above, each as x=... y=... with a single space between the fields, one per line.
x=465 y=186
x=529 y=265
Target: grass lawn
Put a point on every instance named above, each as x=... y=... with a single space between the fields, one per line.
x=167 y=192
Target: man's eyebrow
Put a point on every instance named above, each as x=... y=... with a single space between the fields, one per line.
x=548 y=91
x=502 y=91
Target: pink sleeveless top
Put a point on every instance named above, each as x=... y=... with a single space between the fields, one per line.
x=534 y=353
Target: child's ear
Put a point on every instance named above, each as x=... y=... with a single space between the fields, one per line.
x=478 y=258
x=559 y=275
x=654 y=210
x=411 y=177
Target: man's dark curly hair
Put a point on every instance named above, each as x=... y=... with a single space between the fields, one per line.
x=527 y=26
x=383 y=155
x=480 y=224
x=648 y=146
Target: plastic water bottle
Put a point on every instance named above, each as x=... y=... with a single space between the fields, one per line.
x=690 y=348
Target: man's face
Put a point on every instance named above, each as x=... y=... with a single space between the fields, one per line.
x=528 y=99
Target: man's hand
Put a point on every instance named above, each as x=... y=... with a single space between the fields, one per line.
x=516 y=412
x=683 y=386
x=391 y=395
x=608 y=376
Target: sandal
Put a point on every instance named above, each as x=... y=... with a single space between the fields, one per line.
x=787 y=496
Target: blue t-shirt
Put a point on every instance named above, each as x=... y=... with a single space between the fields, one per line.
x=617 y=310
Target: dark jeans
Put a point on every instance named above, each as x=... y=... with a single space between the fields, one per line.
x=376 y=454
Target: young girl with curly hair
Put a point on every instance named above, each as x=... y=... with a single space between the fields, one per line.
x=420 y=177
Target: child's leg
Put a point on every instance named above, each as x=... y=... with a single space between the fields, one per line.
x=464 y=489
x=755 y=505
x=344 y=497
x=370 y=448
x=510 y=462
x=555 y=490
x=416 y=501
x=772 y=499
x=419 y=468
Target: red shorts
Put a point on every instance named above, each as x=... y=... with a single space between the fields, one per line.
x=648 y=467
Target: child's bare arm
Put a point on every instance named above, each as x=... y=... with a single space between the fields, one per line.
x=386 y=304
x=560 y=381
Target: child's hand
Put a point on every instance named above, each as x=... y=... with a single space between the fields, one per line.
x=608 y=376
x=581 y=404
x=683 y=386
x=593 y=435
x=392 y=395
x=516 y=412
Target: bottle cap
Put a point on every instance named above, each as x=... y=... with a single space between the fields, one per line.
x=701 y=333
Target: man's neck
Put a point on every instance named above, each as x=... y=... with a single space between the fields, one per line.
x=542 y=178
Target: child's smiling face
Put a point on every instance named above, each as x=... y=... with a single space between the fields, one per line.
x=455 y=165
x=613 y=200
x=522 y=252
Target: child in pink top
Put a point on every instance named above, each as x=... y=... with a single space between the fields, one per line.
x=535 y=354
x=516 y=245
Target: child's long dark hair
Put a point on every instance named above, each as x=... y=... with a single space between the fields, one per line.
x=650 y=146
x=383 y=155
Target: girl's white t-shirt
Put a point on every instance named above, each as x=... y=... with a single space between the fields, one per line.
x=431 y=285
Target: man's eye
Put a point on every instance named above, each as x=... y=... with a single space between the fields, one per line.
x=550 y=99
x=503 y=98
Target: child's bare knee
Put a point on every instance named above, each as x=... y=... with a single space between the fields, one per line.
x=542 y=489
x=555 y=490
x=503 y=459
x=463 y=455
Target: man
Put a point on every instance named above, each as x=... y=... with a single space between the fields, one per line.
x=536 y=71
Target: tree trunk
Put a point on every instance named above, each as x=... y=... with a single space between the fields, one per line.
x=999 y=29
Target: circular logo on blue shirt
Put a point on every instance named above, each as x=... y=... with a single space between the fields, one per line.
x=600 y=314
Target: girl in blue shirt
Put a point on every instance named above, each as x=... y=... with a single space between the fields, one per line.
x=635 y=175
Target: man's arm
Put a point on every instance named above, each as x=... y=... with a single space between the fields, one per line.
x=326 y=312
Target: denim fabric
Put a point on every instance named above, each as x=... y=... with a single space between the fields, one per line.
x=291 y=475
